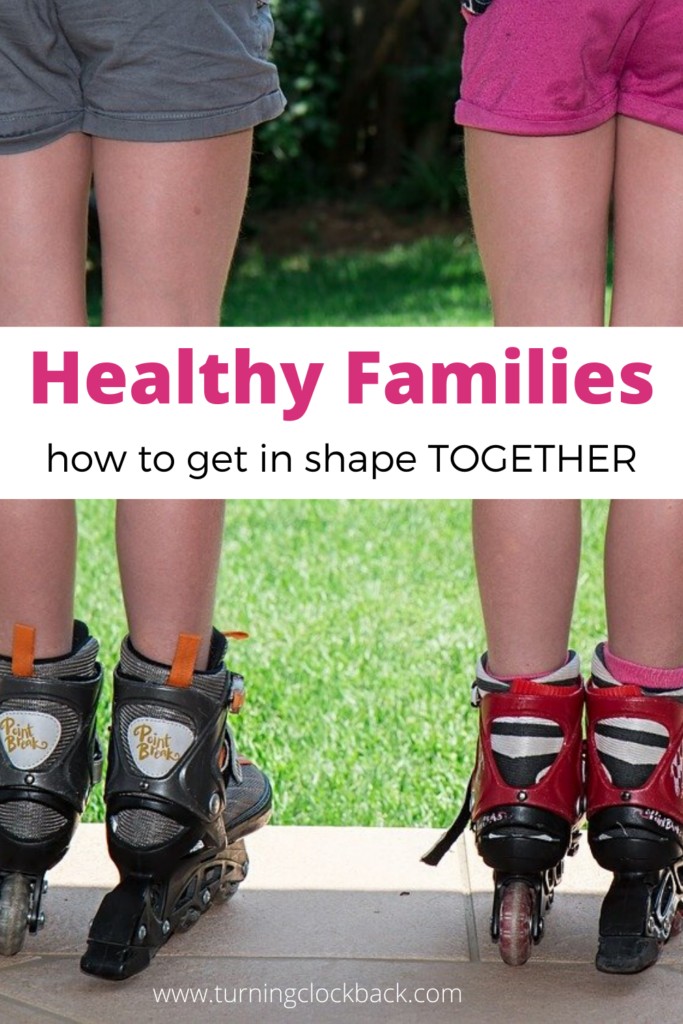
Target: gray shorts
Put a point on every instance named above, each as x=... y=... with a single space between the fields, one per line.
x=139 y=70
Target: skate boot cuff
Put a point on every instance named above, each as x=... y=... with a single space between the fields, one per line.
x=567 y=675
x=649 y=680
x=79 y=663
x=134 y=665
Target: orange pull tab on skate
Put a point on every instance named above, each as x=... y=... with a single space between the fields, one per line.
x=23 y=650
x=235 y=634
x=184 y=660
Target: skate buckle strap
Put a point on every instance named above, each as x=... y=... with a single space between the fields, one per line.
x=446 y=841
x=23 y=650
x=184 y=660
x=96 y=762
x=238 y=693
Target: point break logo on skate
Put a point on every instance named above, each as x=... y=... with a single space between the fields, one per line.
x=28 y=738
x=157 y=744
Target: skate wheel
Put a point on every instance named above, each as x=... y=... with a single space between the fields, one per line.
x=15 y=897
x=516 y=912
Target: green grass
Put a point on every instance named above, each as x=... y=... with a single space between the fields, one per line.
x=365 y=629
x=431 y=283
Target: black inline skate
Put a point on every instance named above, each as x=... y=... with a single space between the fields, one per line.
x=49 y=760
x=179 y=802
x=635 y=817
x=525 y=797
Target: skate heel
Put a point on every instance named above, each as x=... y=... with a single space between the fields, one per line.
x=124 y=932
x=49 y=760
x=136 y=918
x=522 y=840
x=174 y=827
x=525 y=801
x=627 y=840
x=635 y=815
x=631 y=936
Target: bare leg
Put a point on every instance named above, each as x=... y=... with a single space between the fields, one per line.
x=644 y=554
x=648 y=221
x=169 y=216
x=644 y=582
x=43 y=223
x=37 y=567
x=527 y=557
x=540 y=209
x=168 y=558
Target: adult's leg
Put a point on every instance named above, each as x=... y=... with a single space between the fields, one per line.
x=169 y=219
x=540 y=210
x=648 y=226
x=43 y=231
x=37 y=566
x=527 y=557
x=168 y=557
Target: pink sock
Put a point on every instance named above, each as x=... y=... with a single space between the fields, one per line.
x=627 y=672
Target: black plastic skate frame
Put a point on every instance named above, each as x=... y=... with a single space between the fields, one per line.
x=140 y=914
x=643 y=907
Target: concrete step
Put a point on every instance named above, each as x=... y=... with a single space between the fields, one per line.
x=325 y=908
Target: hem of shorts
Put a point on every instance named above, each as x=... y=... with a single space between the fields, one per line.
x=651 y=112
x=24 y=142
x=182 y=126
x=472 y=116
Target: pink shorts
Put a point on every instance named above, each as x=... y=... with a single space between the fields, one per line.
x=555 y=67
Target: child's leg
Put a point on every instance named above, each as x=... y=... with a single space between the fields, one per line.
x=527 y=556
x=635 y=733
x=49 y=687
x=169 y=217
x=37 y=567
x=43 y=213
x=526 y=790
x=648 y=226
x=168 y=558
x=540 y=209
x=644 y=582
x=179 y=799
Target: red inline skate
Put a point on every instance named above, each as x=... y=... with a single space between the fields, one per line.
x=525 y=798
x=635 y=817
